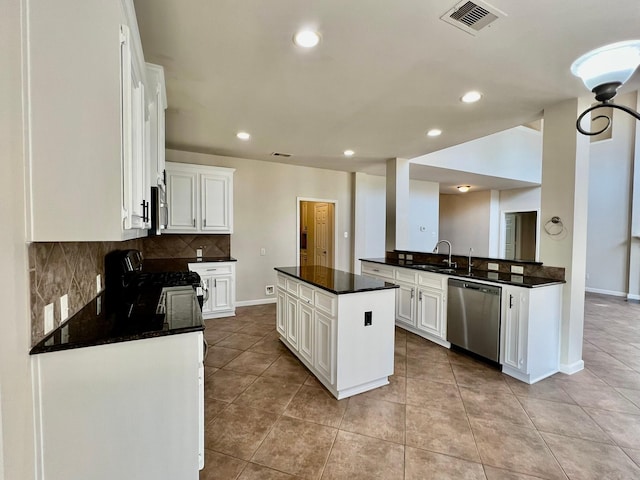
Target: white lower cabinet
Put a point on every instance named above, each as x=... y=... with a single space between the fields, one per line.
x=121 y=411
x=219 y=280
x=430 y=318
x=420 y=300
x=327 y=333
x=530 y=332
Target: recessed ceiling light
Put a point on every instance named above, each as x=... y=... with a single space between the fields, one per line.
x=471 y=97
x=349 y=153
x=463 y=188
x=434 y=132
x=306 y=38
x=243 y=135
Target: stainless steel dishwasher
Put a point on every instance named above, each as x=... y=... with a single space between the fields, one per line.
x=473 y=317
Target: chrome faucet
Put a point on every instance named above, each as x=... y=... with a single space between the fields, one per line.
x=448 y=262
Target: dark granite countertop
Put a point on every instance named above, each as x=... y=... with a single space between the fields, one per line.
x=105 y=321
x=335 y=281
x=489 y=276
x=178 y=264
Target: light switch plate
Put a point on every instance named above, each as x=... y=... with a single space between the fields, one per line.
x=519 y=269
x=263 y=252
x=48 y=318
x=493 y=266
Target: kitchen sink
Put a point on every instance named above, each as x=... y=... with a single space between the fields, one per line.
x=434 y=268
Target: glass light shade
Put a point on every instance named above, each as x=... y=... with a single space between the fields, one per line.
x=463 y=188
x=613 y=63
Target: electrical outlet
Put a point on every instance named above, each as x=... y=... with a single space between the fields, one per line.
x=98 y=283
x=493 y=266
x=198 y=252
x=64 y=307
x=268 y=290
x=346 y=234
x=519 y=269
x=48 y=318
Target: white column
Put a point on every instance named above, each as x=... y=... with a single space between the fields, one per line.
x=633 y=292
x=397 y=220
x=564 y=193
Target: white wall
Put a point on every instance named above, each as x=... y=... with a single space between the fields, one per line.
x=265 y=205
x=16 y=407
x=424 y=206
x=515 y=153
x=610 y=196
x=466 y=220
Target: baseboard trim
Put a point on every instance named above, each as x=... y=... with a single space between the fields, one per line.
x=259 y=301
x=572 y=368
x=634 y=297
x=606 y=292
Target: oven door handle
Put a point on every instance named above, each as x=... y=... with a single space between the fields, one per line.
x=205 y=290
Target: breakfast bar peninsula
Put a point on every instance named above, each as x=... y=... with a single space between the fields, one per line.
x=340 y=325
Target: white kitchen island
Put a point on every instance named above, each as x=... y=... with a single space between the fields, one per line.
x=340 y=325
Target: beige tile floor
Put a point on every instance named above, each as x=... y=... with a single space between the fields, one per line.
x=443 y=415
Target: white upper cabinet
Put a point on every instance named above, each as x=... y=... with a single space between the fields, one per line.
x=200 y=198
x=89 y=128
x=157 y=96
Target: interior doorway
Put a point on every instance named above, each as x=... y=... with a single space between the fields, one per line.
x=316 y=232
x=520 y=236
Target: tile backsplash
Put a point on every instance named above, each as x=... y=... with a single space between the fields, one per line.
x=58 y=268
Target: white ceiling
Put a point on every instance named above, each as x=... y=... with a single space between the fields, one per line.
x=383 y=74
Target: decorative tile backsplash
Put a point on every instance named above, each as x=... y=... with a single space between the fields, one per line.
x=58 y=268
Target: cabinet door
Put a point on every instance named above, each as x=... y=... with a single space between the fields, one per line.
x=181 y=197
x=216 y=203
x=430 y=312
x=281 y=312
x=221 y=293
x=292 y=321
x=514 y=332
x=325 y=349
x=207 y=305
x=405 y=304
x=305 y=346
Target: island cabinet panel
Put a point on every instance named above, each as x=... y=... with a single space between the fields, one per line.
x=346 y=340
x=406 y=305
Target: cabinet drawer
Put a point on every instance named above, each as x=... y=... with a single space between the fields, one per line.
x=405 y=275
x=325 y=303
x=433 y=280
x=378 y=270
x=292 y=287
x=305 y=293
x=211 y=268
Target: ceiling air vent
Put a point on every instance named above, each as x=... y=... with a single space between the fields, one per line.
x=472 y=16
x=278 y=154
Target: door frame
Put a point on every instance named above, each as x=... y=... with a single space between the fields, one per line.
x=335 y=223
x=503 y=230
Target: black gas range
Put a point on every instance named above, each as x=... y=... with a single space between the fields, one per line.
x=126 y=282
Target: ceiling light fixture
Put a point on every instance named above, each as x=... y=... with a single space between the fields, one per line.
x=243 y=135
x=471 y=97
x=463 y=188
x=603 y=71
x=434 y=132
x=306 y=38
x=349 y=153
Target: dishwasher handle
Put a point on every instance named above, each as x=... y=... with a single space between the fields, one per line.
x=488 y=289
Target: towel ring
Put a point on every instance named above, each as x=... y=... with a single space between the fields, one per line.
x=554 y=226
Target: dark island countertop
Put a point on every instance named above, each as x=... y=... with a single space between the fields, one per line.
x=484 y=275
x=335 y=281
x=105 y=321
x=179 y=264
